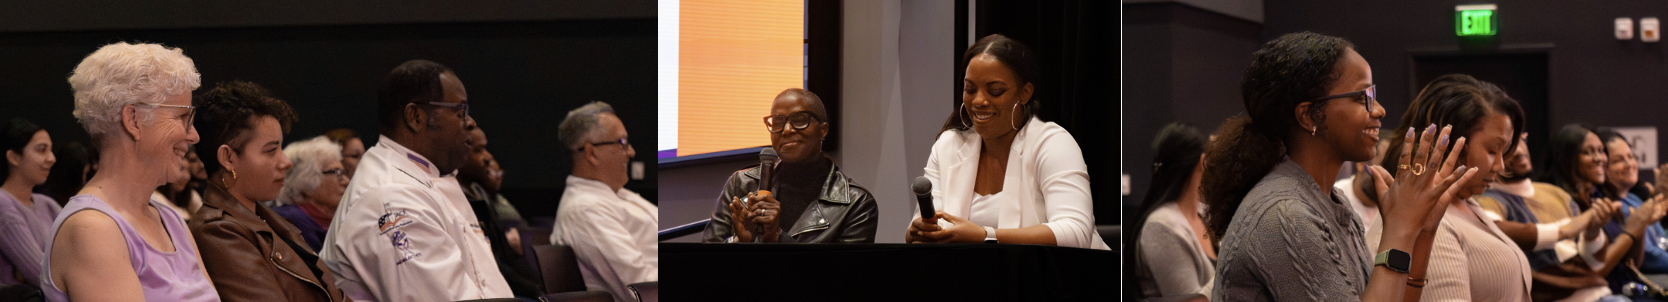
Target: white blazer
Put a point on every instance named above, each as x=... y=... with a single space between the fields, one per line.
x=1046 y=182
x=405 y=233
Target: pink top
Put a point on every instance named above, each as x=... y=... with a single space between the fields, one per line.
x=176 y=276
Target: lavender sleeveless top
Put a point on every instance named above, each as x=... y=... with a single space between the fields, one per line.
x=175 y=276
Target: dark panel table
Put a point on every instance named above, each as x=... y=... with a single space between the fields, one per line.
x=887 y=272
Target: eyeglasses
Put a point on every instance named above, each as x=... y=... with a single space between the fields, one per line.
x=622 y=142
x=190 y=112
x=338 y=172
x=463 y=108
x=799 y=121
x=1370 y=94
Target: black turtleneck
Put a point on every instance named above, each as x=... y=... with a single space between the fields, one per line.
x=797 y=186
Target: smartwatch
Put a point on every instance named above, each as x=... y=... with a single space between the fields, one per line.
x=1394 y=259
x=990 y=235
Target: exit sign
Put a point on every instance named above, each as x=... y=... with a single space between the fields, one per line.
x=1474 y=20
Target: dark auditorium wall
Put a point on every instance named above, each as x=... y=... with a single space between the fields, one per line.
x=524 y=63
x=1181 y=63
x=1594 y=78
x=1076 y=45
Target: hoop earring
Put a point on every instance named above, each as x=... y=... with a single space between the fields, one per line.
x=961 y=110
x=1011 y=120
x=227 y=184
x=1312 y=131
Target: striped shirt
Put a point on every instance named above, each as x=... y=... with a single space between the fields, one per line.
x=1471 y=260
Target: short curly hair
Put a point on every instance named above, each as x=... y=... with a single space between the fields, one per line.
x=225 y=115
x=307 y=156
x=121 y=74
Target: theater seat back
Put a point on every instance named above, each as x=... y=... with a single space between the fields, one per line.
x=646 y=291
x=559 y=268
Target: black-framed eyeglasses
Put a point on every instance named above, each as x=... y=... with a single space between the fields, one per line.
x=622 y=142
x=799 y=121
x=190 y=112
x=463 y=108
x=338 y=172
x=1370 y=95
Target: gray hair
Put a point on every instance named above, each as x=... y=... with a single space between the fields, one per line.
x=581 y=124
x=122 y=74
x=307 y=156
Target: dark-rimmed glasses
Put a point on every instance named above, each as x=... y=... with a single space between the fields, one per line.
x=1371 y=95
x=799 y=121
x=622 y=142
x=463 y=108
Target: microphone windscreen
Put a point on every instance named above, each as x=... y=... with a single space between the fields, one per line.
x=922 y=185
x=768 y=155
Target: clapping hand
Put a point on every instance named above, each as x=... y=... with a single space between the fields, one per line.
x=1424 y=183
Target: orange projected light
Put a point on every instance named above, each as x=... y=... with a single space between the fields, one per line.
x=734 y=57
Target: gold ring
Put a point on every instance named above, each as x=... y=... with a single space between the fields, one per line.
x=1418 y=169
x=1403 y=167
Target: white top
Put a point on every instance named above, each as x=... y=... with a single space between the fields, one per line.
x=1172 y=256
x=612 y=234
x=1045 y=183
x=402 y=234
x=984 y=211
x=1368 y=214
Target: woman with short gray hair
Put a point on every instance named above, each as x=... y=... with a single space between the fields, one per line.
x=313 y=188
x=111 y=242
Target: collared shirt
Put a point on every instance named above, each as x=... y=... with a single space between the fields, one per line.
x=399 y=234
x=612 y=233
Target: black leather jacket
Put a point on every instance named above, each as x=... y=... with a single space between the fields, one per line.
x=844 y=213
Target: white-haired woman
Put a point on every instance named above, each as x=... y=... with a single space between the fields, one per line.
x=111 y=242
x=312 y=188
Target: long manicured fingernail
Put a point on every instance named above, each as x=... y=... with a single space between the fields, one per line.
x=1443 y=141
x=1431 y=129
x=1409 y=131
x=1462 y=167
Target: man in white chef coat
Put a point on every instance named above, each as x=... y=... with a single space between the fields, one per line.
x=400 y=234
x=611 y=229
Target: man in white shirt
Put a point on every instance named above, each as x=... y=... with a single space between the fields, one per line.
x=611 y=229
x=404 y=232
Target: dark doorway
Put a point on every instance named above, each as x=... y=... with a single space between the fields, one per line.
x=1523 y=74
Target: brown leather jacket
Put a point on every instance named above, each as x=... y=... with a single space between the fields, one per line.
x=258 y=256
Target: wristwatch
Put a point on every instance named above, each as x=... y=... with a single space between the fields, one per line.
x=990 y=235
x=1394 y=259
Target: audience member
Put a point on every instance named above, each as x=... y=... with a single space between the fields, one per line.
x=111 y=242
x=611 y=229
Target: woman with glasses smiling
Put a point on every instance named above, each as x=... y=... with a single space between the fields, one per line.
x=111 y=242
x=999 y=174
x=811 y=201
x=312 y=188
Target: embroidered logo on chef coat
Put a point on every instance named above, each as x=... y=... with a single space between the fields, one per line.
x=403 y=244
x=392 y=220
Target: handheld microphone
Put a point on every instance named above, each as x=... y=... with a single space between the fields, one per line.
x=767 y=166
x=923 y=197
